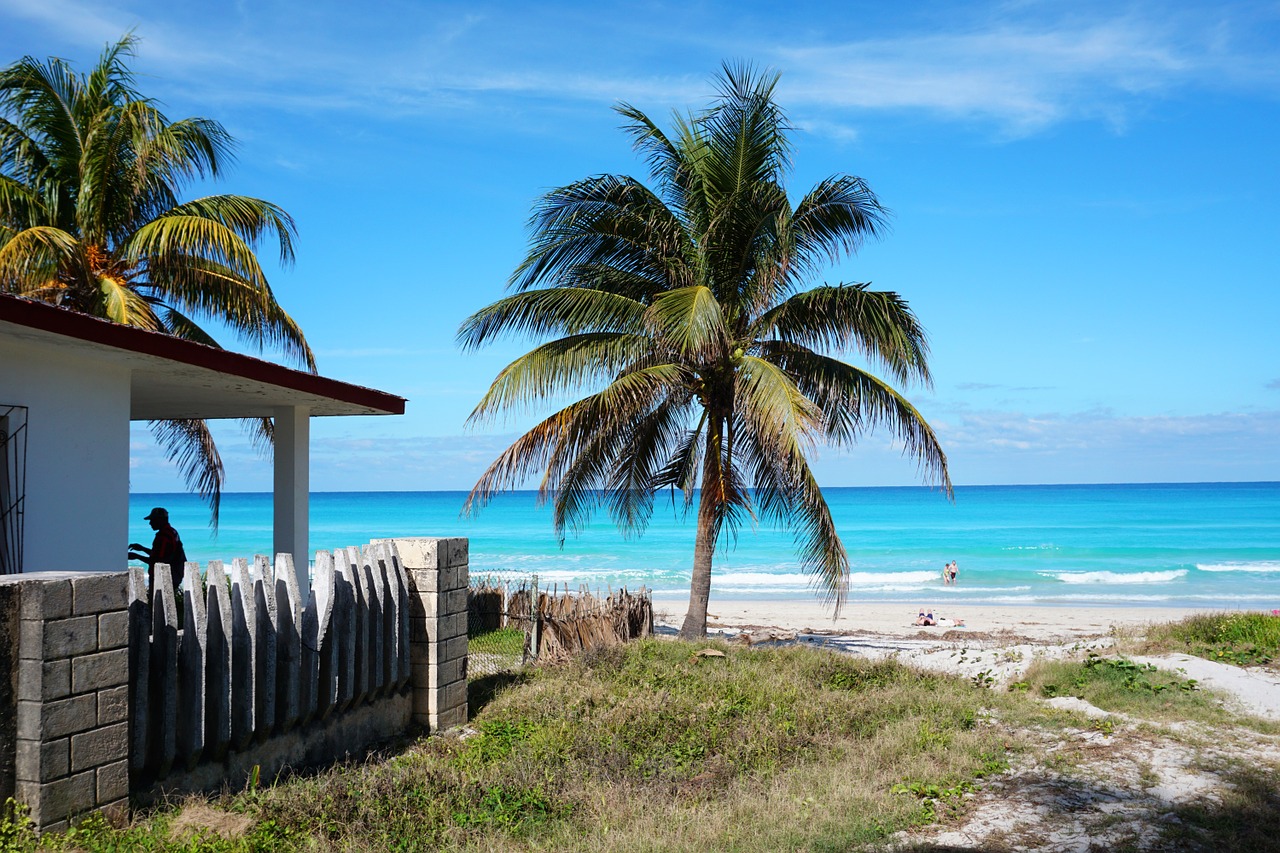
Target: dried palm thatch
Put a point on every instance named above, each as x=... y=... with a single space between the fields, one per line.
x=569 y=623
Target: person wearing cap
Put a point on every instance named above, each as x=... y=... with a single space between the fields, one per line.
x=167 y=548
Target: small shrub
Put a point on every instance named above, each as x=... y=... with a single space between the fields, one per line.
x=17 y=833
x=1125 y=686
x=932 y=795
x=1244 y=638
x=515 y=811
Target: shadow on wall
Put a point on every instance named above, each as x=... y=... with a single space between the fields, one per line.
x=9 y=599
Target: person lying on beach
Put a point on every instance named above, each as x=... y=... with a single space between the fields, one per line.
x=950 y=623
x=926 y=618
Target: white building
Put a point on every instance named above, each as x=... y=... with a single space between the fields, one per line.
x=69 y=386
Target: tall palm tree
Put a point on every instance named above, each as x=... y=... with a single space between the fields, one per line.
x=682 y=313
x=91 y=218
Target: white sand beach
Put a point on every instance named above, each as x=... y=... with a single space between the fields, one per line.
x=1037 y=624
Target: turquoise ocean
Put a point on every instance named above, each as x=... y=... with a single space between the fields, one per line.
x=1210 y=545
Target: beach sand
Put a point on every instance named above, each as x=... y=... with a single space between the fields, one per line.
x=1001 y=641
x=1037 y=624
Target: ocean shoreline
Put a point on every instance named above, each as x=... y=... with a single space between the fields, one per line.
x=1194 y=546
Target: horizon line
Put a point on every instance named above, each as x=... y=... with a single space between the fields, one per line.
x=920 y=487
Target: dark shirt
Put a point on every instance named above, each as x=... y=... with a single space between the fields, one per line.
x=167 y=548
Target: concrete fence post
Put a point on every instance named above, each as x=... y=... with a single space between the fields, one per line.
x=438 y=580
x=71 y=753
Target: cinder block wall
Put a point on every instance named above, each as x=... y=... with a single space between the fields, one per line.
x=439 y=576
x=69 y=683
x=72 y=745
x=10 y=620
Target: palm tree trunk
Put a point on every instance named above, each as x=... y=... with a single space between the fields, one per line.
x=695 y=620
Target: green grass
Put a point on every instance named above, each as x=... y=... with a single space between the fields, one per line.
x=647 y=746
x=1243 y=638
x=508 y=642
x=651 y=746
x=1120 y=685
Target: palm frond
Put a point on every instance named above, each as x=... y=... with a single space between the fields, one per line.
x=688 y=320
x=43 y=95
x=746 y=131
x=854 y=402
x=251 y=219
x=652 y=443
x=197 y=285
x=20 y=205
x=121 y=304
x=775 y=404
x=174 y=322
x=787 y=493
x=834 y=219
x=562 y=366
x=189 y=445
x=664 y=159
x=681 y=470
x=603 y=221
x=552 y=310
x=552 y=446
x=160 y=242
x=262 y=435
x=879 y=324
x=30 y=259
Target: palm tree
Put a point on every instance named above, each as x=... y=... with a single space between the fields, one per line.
x=682 y=314
x=91 y=218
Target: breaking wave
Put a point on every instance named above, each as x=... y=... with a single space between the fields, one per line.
x=1260 y=566
x=1116 y=577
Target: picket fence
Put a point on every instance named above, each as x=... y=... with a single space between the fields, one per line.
x=237 y=660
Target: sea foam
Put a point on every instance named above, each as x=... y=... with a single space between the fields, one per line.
x=1105 y=577
x=896 y=578
x=1260 y=566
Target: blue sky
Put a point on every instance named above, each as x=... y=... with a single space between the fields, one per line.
x=1086 y=202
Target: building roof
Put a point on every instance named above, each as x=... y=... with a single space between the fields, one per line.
x=176 y=378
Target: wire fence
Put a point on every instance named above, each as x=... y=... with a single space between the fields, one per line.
x=499 y=624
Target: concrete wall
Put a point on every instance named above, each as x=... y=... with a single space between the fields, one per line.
x=439 y=576
x=77 y=496
x=110 y=696
x=72 y=730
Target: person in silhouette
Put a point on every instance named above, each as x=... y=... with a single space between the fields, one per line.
x=166 y=548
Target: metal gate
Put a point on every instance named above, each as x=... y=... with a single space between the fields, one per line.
x=501 y=623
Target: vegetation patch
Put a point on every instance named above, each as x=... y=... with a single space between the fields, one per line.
x=1244 y=638
x=1124 y=686
x=645 y=746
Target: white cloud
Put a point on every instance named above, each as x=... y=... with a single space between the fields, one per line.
x=1028 y=75
x=1023 y=67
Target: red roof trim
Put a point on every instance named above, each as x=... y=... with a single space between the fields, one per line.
x=60 y=321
